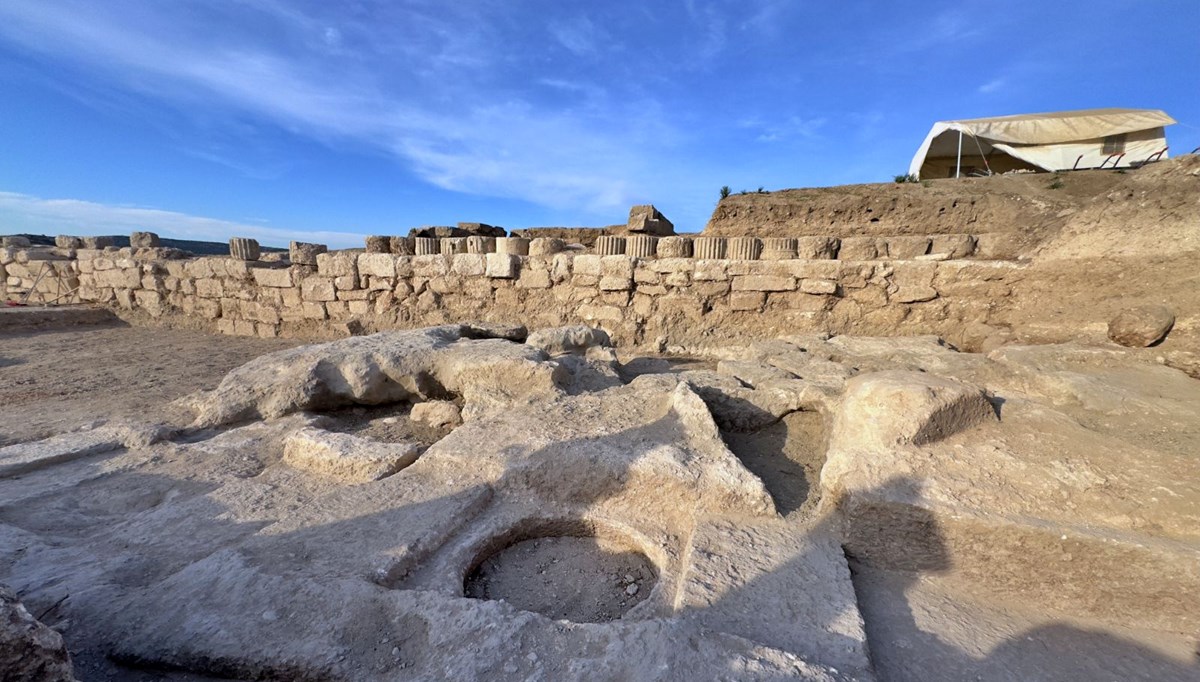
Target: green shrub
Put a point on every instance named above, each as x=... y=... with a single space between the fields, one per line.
x=901 y=179
x=725 y=192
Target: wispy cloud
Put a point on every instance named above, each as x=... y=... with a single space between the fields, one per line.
x=992 y=86
x=426 y=108
x=29 y=214
x=790 y=128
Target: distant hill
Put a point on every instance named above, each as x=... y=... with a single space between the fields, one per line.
x=191 y=246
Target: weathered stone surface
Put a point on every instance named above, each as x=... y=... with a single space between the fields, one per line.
x=610 y=246
x=426 y=246
x=545 y=246
x=574 y=339
x=641 y=246
x=512 y=246
x=16 y=242
x=744 y=248
x=63 y=241
x=1141 y=326
x=778 y=248
x=303 y=253
x=817 y=248
x=401 y=246
x=674 y=247
x=448 y=246
x=953 y=245
x=347 y=457
x=376 y=265
x=763 y=283
x=468 y=229
x=647 y=219
x=900 y=407
x=907 y=247
x=437 y=414
x=273 y=277
x=242 y=248
x=30 y=651
x=862 y=248
x=143 y=240
x=503 y=266
x=479 y=245
x=709 y=248
x=318 y=289
x=97 y=242
x=379 y=244
x=369 y=370
x=819 y=286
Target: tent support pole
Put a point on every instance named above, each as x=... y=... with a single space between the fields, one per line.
x=958 y=164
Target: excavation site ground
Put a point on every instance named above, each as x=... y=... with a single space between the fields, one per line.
x=961 y=452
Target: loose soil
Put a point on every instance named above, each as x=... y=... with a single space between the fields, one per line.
x=564 y=578
x=57 y=381
x=787 y=456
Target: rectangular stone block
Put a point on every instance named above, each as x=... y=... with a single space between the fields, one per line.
x=710 y=270
x=272 y=277
x=763 y=283
x=819 y=286
x=588 y=264
x=469 y=264
x=338 y=264
x=747 y=300
x=318 y=289
x=502 y=265
x=376 y=264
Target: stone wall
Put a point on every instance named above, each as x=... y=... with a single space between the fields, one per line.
x=675 y=303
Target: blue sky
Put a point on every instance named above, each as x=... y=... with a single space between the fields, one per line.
x=328 y=120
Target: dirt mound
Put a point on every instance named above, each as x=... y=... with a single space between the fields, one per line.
x=1126 y=212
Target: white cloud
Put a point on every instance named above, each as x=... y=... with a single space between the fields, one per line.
x=21 y=213
x=994 y=85
x=422 y=85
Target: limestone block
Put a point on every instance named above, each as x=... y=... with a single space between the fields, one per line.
x=273 y=277
x=575 y=339
x=125 y=278
x=763 y=283
x=448 y=246
x=747 y=300
x=143 y=240
x=534 y=279
x=469 y=264
x=778 y=248
x=998 y=246
x=16 y=242
x=587 y=265
x=303 y=253
x=480 y=245
x=338 y=264
x=610 y=246
x=546 y=246
x=817 y=248
x=401 y=246
x=437 y=414
x=674 y=247
x=905 y=248
x=346 y=457
x=502 y=266
x=885 y=409
x=245 y=249
x=915 y=294
x=641 y=246
x=953 y=245
x=601 y=313
x=709 y=248
x=376 y=265
x=711 y=270
x=743 y=248
x=379 y=244
x=512 y=246
x=822 y=287
x=97 y=242
x=426 y=246
x=862 y=248
x=430 y=266
x=647 y=219
x=63 y=241
x=312 y=310
x=318 y=289
x=1142 y=326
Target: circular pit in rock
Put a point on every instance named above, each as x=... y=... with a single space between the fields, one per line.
x=579 y=579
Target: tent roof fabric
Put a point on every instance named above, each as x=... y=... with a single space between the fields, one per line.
x=1061 y=126
x=1052 y=128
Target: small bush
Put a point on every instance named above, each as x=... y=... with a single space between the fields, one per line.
x=761 y=190
x=901 y=179
x=1057 y=183
x=725 y=192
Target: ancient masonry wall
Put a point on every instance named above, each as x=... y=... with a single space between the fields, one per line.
x=666 y=303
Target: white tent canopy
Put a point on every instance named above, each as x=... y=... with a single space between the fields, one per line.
x=1089 y=138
